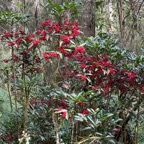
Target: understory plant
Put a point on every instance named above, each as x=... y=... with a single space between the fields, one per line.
x=63 y=89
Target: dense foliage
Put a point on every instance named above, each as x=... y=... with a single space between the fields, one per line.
x=62 y=88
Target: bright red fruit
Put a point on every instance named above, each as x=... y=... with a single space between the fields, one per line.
x=79 y=50
x=85 y=112
x=65 y=39
x=7 y=34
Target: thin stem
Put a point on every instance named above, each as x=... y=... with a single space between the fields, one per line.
x=56 y=125
x=137 y=123
x=26 y=107
x=10 y=99
x=73 y=127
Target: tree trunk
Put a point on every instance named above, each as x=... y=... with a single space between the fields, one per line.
x=37 y=13
x=111 y=18
x=135 y=7
x=88 y=18
x=121 y=23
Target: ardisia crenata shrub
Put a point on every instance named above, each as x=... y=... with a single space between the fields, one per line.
x=92 y=97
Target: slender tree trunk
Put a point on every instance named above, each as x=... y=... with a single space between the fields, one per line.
x=14 y=9
x=37 y=13
x=134 y=22
x=121 y=22
x=135 y=7
x=88 y=18
x=111 y=18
